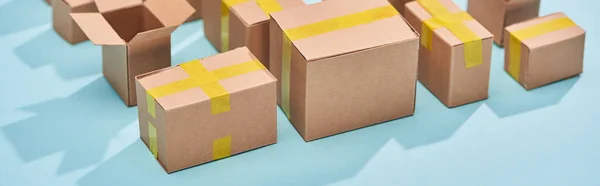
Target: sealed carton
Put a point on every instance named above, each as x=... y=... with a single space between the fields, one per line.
x=207 y=109
x=63 y=23
x=135 y=38
x=495 y=15
x=544 y=50
x=197 y=4
x=346 y=65
x=235 y=23
x=455 y=53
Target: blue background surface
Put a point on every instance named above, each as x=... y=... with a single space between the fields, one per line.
x=62 y=124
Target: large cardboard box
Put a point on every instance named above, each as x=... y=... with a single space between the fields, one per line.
x=347 y=64
x=495 y=15
x=235 y=23
x=455 y=53
x=197 y=4
x=544 y=50
x=62 y=22
x=135 y=38
x=207 y=109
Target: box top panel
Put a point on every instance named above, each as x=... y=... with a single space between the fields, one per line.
x=338 y=27
x=76 y=3
x=253 y=12
x=559 y=25
x=236 y=70
x=422 y=14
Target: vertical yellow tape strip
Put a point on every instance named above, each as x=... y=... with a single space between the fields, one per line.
x=153 y=140
x=269 y=6
x=225 y=6
x=285 y=75
x=151 y=105
x=516 y=37
x=222 y=147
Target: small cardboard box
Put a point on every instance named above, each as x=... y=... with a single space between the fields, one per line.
x=544 y=50
x=63 y=23
x=197 y=4
x=236 y=23
x=495 y=15
x=207 y=109
x=454 y=58
x=135 y=38
x=346 y=65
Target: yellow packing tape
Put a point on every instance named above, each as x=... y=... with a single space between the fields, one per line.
x=268 y=6
x=318 y=28
x=153 y=140
x=208 y=81
x=454 y=22
x=516 y=37
x=222 y=147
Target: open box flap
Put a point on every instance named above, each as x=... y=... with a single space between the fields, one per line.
x=153 y=34
x=170 y=12
x=110 y=5
x=97 y=29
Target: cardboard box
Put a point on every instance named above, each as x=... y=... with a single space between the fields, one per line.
x=63 y=23
x=454 y=58
x=197 y=4
x=544 y=50
x=230 y=24
x=495 y=15
x=207 y=109
x=48 y=1
x=346 y=65
x=135 y=38
x=399 y=5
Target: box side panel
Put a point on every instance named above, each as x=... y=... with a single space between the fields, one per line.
x=275 y=55
x=399 y=5
x=257 y=40
x=469 y=84
x=556 y=61
x=521 y=12
x=491 y=14
x=361 y=89
x=251 y=123
x=197 y=4
x=157 y=121
x=114 y=68
x=523 y=60
x=211 y=15
x=146 y=56
x=298 y=90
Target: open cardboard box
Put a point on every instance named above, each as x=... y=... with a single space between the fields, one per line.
x=135 y=38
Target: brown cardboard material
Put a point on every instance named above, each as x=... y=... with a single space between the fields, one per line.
x=348 y=78
x=248 y=26
x=399 y=4
x=186 y=129
x=442 y=70
x=48 y=1
x=62 y=22
x=197 y=4
x=495 y=15
x=135 y=38
x=549 y=57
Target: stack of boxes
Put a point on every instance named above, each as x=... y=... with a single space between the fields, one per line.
x=332 y=67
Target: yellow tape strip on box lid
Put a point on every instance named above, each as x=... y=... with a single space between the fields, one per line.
x=454 y=22
x=318 y=28
x=268 y=6
x=516 y=37
x=199 y=77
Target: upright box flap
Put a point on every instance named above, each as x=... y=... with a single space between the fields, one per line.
x=170 y=12
x=76 y=3
x=110 y=5
x=97 y=29
x=152 y=34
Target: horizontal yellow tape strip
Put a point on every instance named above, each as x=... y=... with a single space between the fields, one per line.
x=341 y=22
x=222 y=147
x=454 y=22
x=208 y=81
x=269 y=6
x=517 y=37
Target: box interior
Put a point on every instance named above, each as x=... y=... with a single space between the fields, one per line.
x=130 y=21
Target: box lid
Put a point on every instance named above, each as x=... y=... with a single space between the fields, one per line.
x=251 y=12
x=232 y=84
x=444 y=33
x=381 y=31
x=548 y=37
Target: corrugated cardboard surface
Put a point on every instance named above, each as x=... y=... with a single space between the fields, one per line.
x=62 y=22
x=549 y=57
x=197 y=4
x=495 y=15
x=350 y=78
x=187 y=128
x=248 y=26
x=136 y=37
x=442 y=70
x=399 y=4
